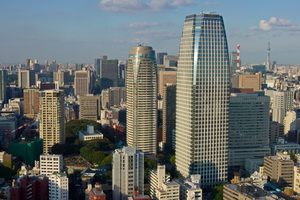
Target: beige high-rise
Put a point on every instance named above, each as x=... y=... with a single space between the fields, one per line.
x=250 y=81
x=52 y=126
x=89 y=107
x=142 y=99
x=82 y=82
x=31 y=102
x=61 y=77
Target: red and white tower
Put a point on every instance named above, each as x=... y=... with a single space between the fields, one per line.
x=238 y=57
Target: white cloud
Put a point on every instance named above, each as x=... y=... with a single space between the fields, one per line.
x=275 y=24
x=211 y=3
x=141 y=5
x=156 y=33
x=182 y=2
x=141 y=25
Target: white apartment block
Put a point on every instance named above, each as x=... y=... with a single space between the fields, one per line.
x=190 y=188
x=282 y=102
x=161 y=188
x=58 y=186
x=127 y=172
x=51 y=163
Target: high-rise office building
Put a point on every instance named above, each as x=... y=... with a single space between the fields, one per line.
x=97 y=66
x=248 y=127
x=26 y=78
x=164 y=78
x=113 y=96
x=31 y=102
x=61 y=77
x=203 y=99
x=169 y=114
x=233 y=64
x=160 y=58
x=3 y=84
x=108 y=72
x=282 y=102
x=89 y=107
x=52 y=126
x=142 y=99
x=276 y=131
x=127 y=172
x=82 y=83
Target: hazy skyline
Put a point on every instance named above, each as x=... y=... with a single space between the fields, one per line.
x=81 y=30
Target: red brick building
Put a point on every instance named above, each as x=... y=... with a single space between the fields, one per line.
x=31 y=188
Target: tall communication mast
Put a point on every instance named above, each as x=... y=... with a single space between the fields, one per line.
x=268 y=64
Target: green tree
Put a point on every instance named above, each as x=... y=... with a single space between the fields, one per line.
x=218 y=192
x=6 y=172
x=172 y=160
x=107 y=160
x=293 y=157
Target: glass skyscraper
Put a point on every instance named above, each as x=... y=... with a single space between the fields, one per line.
x=203 y=80
x=141 y=83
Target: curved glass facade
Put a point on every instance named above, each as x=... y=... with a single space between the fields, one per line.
x=203 y=99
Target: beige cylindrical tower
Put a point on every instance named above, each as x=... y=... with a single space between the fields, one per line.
x=141 y=83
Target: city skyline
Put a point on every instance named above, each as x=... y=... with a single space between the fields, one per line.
x=79 y=31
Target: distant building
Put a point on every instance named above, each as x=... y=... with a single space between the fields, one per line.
x=279 y=169
x=169 y=114
x=170 y=61
x=90 y=134
x=113 y=96
x=127 y=172
x=31 y=102
x=3 y=84
x=164 y=78
x=30 y=187
x=233 y=63
x=58 y=186
x=290 y=122
x=282 y=102
x=7 y=125
x=276 y=131
x=62 y=77
x=28 y=150
x=26 y=78
x=51 y=163
x=160 y=58
x=108 y=72
x=82 y=83
x=250 y=81
x=89 y=107
x=52 y=116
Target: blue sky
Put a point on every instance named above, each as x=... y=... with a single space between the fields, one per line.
x=81 y=30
